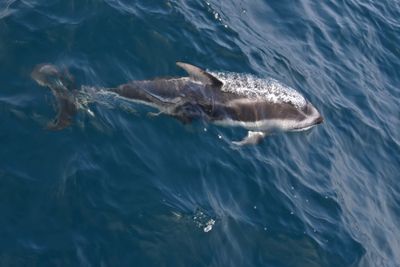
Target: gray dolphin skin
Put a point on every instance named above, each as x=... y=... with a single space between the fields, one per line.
x=261 y=106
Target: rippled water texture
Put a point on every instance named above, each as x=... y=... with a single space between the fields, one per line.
x=119 y=188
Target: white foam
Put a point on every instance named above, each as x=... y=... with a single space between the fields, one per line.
x=209 y=226
x=253 y=87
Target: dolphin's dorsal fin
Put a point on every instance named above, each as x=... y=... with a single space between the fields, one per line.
x=200 y=75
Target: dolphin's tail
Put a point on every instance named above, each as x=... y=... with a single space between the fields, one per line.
x=61 y=85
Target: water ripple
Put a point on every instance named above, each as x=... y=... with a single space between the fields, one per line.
x=119 y=187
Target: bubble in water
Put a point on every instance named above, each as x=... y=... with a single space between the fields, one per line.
x=203 y=220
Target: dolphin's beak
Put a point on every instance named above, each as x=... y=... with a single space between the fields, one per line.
x=314 y=113
x=319 y=120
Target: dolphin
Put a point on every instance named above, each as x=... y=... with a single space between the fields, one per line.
x=262 y=106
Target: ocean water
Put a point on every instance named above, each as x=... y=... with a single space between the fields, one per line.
x=120 y=188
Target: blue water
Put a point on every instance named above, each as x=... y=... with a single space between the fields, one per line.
x=122 y=189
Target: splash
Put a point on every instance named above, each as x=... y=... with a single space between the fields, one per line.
x=257 y=88
x=203 y=220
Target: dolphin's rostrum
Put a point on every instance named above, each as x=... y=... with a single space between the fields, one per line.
x=259 y=105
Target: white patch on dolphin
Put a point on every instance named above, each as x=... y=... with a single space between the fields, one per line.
x=255 y=88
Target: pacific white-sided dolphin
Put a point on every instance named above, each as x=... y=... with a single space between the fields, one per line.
x=259 y=105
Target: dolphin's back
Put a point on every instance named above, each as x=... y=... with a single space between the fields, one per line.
x=164 y=91
x=215 y=103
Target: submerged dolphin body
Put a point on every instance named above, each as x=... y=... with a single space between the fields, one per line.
x=259 y=105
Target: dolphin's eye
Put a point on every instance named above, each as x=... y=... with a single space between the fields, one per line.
x=306 y=109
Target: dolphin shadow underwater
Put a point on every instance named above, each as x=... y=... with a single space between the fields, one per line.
x=262 y=106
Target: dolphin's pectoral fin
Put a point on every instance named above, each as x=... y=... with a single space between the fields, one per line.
x=200 y=75
x=252 y=138
x=187 y=112
x=183 y=119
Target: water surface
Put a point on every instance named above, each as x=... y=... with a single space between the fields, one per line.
x=122 y=189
